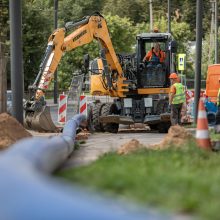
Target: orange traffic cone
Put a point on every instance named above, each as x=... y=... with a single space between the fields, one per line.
x=202 y=131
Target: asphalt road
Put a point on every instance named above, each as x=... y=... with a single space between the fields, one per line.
x=101 y=143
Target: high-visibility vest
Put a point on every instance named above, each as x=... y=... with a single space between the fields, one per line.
x=179 y=97
x=218 y=98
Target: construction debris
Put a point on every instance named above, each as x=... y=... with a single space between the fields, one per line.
x=129 y=147
x=10 y=131
x=177 y=136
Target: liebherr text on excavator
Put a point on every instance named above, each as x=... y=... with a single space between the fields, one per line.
x=140 y=89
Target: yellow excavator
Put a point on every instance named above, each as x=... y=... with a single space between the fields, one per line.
x=140 y=88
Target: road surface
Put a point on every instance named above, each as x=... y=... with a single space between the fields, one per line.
x=101 y=143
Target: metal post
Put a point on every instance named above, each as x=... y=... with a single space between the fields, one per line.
x=3 y=80
x=169 y=18
x=55 y=73
x=199 y=12
x=17 y=82
x=216 y=31
x=151 y=15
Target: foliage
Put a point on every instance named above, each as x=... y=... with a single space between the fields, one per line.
x=4 y=12
x=178 y=180
x=70 y=10
x=37 y=26
x=131 y=9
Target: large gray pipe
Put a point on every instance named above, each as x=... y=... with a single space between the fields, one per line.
x=26 y=192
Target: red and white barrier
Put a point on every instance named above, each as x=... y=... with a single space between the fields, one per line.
x=189 y=95
x=83 y=105
x=62 y=109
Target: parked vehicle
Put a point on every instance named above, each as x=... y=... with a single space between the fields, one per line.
x=9 y=101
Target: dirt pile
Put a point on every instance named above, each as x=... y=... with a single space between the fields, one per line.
x=10 y=131
x=82 y=135
x=177 y=136
x=130 y=146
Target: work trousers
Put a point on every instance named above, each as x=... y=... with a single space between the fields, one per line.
x=176 y=113
x=217 y=116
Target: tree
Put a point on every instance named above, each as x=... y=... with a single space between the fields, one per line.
x=130 y=9
x=37 y=27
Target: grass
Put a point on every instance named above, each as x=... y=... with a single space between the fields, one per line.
x=192 y=125
x=213 y=136
x=181 y=181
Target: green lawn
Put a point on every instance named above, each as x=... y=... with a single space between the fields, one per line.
x=185 y=181
x=214 y=137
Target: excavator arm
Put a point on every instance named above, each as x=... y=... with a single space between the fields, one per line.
x=84 y=32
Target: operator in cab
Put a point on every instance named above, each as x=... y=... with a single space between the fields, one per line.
x=155 y=55
x=176 y=98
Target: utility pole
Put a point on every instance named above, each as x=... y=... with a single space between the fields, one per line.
x=216 y=31
x=3 y=80
x=55 y=92
x=151 y=15
x=17 y=80
x=199 y=13
x=169 y=17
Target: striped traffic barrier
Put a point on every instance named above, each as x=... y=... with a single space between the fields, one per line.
x=83 y=105
x=202 y=131
x=62 y=110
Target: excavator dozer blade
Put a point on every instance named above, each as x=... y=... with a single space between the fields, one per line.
x=40 y=121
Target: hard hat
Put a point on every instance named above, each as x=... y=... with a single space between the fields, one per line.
x=173 y=76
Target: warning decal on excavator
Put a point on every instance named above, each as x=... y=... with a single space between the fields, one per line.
x=79 y=35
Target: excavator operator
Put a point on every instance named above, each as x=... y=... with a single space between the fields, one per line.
x=155 y=55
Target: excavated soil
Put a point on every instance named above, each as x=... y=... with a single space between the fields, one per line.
x=10 y=131
x=84 y=135
x=129 y=147
x=177 y=136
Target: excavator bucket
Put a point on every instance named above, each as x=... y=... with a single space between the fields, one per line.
x=40 y=121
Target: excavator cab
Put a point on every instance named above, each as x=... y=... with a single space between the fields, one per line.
x=154 y=71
